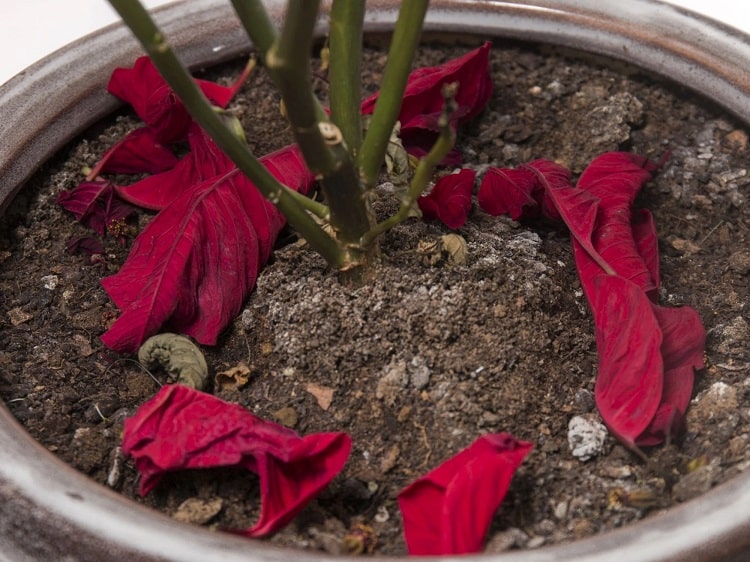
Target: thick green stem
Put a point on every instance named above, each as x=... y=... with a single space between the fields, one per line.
x=406 y=37
x=170 y=67
x=288 y=61
x=345 y=40
x=255 y=20
x=425 y=168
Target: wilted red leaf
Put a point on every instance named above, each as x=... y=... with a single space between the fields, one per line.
x=647 y=353
x=138 y=152
x=509 y=191
x=450 y=199
x=195 y=263
x=181 y=428
x=615 y=178
x=84 y=244
x=95 y=205
x=167 y=120
x=156 y=104
x=449 y=510
x=683 y=344
x=423 y=100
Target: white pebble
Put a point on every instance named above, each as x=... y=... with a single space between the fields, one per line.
x=586 y=437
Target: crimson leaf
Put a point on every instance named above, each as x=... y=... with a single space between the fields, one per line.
x=181 y=428
x=450 y=199
x=195 y=263
x=449 y=510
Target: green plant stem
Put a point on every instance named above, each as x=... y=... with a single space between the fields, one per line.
x=406 y=37
x=257 y=24
x=166 y=61
x=315 y=207
x=425 y=168
x=288 y=62
x=345 y=40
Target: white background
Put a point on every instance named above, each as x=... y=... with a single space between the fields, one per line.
x=31 y=29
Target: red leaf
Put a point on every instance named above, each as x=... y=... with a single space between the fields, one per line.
x=152 y=99
x=450 y=199
x=449 y=510
x=181 y=428
x=642 y=394
x=157 y=191
x=84 y=244
x=513 y=192
x=647 y=358
x=628 y=340
x=615 y=178
x=138 y=152
x=423 y=99
x=95 y=205
x=195 y=263
x=683 y=344
x=646 y=240
x=647 y=354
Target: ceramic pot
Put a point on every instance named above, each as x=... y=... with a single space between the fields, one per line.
x=52 y=512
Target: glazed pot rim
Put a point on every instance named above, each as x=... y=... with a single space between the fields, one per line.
x=80 y=519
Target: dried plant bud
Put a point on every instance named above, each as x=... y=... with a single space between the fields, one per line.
x=431 y=251
x=361 y=539
x=450 y=249
x=455 y=249
x=325 y=58
x=178 y=356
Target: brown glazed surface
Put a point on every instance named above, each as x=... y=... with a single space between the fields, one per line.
x=51 y=512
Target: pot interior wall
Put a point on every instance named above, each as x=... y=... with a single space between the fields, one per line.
x=45 y=498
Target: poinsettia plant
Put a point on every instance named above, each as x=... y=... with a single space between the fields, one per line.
x=220 y=208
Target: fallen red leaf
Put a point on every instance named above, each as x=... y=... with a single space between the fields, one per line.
x=450 y=199
x=647 y=353
x=195 y=263
x=167 y=120
x=138 y=152
x=143 y=88
x=615 y=178
x=449 y=510
x=95 y=205
x=423 y=99
x=181 y=428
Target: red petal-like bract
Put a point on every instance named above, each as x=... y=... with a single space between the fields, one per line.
x=156 y=104
x=423 y=99
x=449 y=510
x=167 y=120
x=95 y=205
x=647 y=353
x=450 y=199
x=195 y=263
x=138 y=152
x=181 y=428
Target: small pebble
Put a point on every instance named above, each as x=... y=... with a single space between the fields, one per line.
x=586 y=437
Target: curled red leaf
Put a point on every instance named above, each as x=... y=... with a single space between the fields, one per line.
x=449 y=510
x=95 y=205
x=139 y=151
x=450 y=199
x=167 y=120
x=647 y=353
x=156 y=104
x=181 y=428
x=423 y=99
